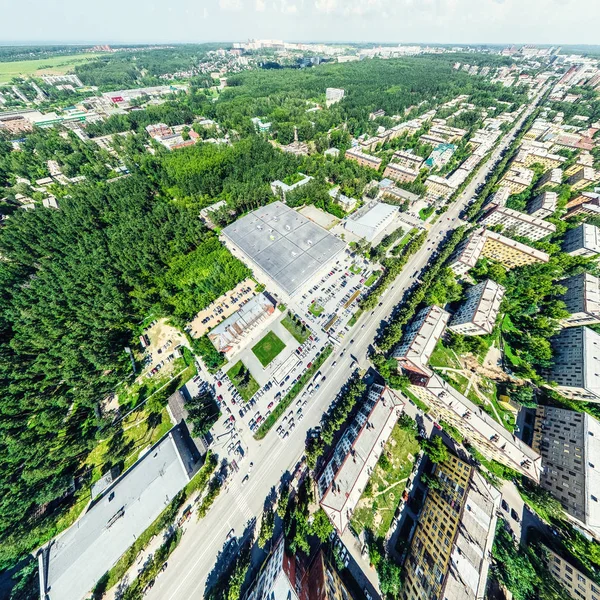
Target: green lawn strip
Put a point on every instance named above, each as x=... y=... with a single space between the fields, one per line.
x=268 y=348
x=384 y=491
x=166 y=518
x=355 y=317
x=373 y=278
x=354 y=269
x=281 y=307
x=291 y=395
x=242 y=380
x=417 y=401
x=315 y=309
x=426 y=212
x=443 y=357
x=298 y=331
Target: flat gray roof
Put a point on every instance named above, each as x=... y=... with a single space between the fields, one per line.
x=287 y=246
x=79 y=557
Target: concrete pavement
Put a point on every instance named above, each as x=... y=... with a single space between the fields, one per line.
x=192 y=561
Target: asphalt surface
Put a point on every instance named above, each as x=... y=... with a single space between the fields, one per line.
x=196 y=555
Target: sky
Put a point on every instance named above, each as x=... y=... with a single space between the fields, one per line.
x=396 y=21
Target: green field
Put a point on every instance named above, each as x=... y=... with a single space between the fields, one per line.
x=57 y=65
x=315 y=309
x=299 y=331
x=373 y=278
x=268 y=348
x=243 y=381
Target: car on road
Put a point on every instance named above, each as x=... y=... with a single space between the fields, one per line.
x=245 y=480
x=333 y=364
x=514 y=515
x=504 y=505
x=230 y=534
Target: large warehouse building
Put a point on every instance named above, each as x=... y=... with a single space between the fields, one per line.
x=284 y=249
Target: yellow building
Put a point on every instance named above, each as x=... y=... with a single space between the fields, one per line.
x=510 y=252
x=577 y=583
x=450 y=551
x=539 y=156
x=517 y=179
x=583 y=178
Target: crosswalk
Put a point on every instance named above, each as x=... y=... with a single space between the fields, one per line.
x=241 y=504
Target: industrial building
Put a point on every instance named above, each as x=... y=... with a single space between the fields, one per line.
x=477 y=314
x=569 y=443
x=576 y=363
x=72 y=564
x=284 y=249
x=583 y=240
x=517 y=223
x=345 y=476
x=582 y=299
x=228 y=335
x=371 y=220
x=450 y=553
x=418 y=343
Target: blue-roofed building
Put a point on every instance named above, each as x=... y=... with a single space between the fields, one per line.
x=440 y=156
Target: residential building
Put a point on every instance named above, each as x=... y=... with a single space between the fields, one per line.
x=550 y=178
x=280 y=189
x=438 y=187
x=397 y=194
x=490 y=438
x=500 y=197
x=576 y=363
x=518 y=179
x=371 y=220
x=510 y=252
x=467 y=254
x=418 y=343
x=400 y=173
x=569 y=442
x=582 y=299
x=333 y=96
x=583 y=240
x=333 y=152
x=543 y=205
x=344 y=477
x=577 y=583
x=477 y=314
x=260 y=126
x=364 y=160
x=434 y=140
x=406 y=158
x=587 y=203
x=450 y=134
x=583 y=178
x=450 y=553
x=441 y=155
x=517 y=223
x=342 y=200
x=539 y=156
x=583 y=160
x=297 y=578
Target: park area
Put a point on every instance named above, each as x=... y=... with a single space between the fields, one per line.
x=242 y=380
x=378 y=503
x=56 y=65
x=268 y=348
x=297 y=329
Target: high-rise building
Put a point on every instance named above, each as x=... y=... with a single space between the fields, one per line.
x=569 y=443
x=583 y=240
x=583 y=178
x=578 y=584
x=582 y=299
x=333 y=96
x=477 y=314
x=450 y=553
x=543 y=205
x=576 y=363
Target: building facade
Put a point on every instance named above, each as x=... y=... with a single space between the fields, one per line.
x=400 y=173
x=518 y=179
x=583 y=240
x=577 y=583
x=510 y=252
x=364 y=160
x=582 y=299
x=477 y=314
x=543 y=205
x=517 y=223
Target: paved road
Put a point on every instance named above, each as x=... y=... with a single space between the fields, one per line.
x=192 y=561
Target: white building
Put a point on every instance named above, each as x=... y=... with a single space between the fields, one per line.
x=517 y=223
x=371 y=220
x=333 y=96
x=279 y=188
x=582 y=241
x=477 y=314
x=543 y=205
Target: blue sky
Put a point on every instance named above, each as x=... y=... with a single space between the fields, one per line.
x=400 y=21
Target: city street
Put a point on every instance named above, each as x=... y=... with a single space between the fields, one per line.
x=197 y=553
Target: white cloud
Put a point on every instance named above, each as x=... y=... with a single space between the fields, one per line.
x=261 y=5
x=230 y=5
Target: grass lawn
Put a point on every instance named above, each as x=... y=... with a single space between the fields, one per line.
x=56 y=65
x=315 y=309
x=443 y=357
x=457 y=380
x=426 y=212
x=354 y=269
x=243 y=381
x=377 y=505
x=300 y=333
x=268 y=348
x=354 y=318
x=373 y=278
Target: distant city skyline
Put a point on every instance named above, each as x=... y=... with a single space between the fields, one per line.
x=554 y=22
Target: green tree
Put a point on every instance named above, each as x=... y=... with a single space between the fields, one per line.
x=321 y=525
x=435 y=449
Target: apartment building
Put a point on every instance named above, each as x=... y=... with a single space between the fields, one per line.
x=438 y=187
x=587 y=203
x=400 y=173
x=450 y=134
x=582 y=299
x=583 y=160
x=450 y=553
x=467 y=254
x=576 y=363
x=478 y=428
x=583 y=240
x=540 y=156
x=440 y=156
x=364 y=160
x=333 y=96
x=517 y=223
x=500 y=197
x=518 y=179
x=346 y=474
x=418 y=343
x=569 y=443
x=297 y=578
x=510 y=252
x=583 y=178
x=408 y=159
x=550 y=178
x=434 y=140
x=543 y=205
x=477 y=314
x=577 y=583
